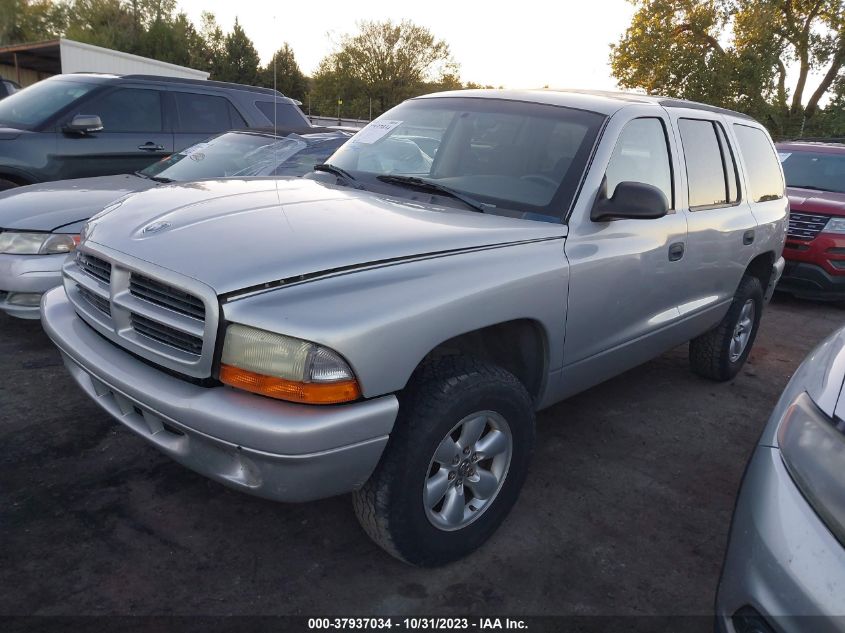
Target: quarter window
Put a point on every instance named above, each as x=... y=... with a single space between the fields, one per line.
x=203 y=114
x=641 y=155
x=764 y=173
x=711 y=172
x=127 y=110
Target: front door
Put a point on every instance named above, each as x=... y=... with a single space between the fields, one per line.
x=625 y=275
x=134 y=135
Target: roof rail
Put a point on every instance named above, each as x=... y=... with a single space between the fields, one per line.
x=204 y=82
x=694 y=105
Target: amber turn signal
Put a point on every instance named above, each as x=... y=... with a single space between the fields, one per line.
x=304 y=392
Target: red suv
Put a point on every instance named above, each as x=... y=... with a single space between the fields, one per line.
x=815 y=240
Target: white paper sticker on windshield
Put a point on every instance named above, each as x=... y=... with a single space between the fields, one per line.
x=784 y=155
x=193 y=148
x=375 y=130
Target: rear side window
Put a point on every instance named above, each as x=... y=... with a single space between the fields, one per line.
x=711 y=172
x=761 y=162
x=204 y=114
x=641 y=155
x=127 y=110
x=287 y=115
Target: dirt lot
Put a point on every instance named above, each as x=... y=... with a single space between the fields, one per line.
x=626 y=510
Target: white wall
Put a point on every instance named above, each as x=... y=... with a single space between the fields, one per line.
x=78 y=57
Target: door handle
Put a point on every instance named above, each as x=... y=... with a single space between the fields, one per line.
x=748 y=237
x=149 y=146
x=676 y=251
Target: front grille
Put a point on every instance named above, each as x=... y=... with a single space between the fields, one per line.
x=167 y=335
x=94 y=266
x=98 y=302
x=166 y=296
x=805 y=226
x=160 y=316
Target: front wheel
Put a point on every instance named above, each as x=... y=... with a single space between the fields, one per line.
x=454 y=464
x=720 y=353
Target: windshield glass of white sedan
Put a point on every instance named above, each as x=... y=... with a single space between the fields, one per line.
x=515 y=155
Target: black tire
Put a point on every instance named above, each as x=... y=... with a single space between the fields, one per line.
x=710 y=353
x=390 y=505
x=7 y=184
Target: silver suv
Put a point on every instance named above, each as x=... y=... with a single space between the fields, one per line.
x=391 y=325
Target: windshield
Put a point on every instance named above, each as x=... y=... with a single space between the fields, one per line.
x=509 y=154
x=243 y=154
x=812 y=170
x=30 y=107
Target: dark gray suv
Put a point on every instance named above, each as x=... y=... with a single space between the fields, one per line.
x=73 y=126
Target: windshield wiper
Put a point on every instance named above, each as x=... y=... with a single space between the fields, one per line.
x=427 y=185
x=163 y=179
x=340 y=173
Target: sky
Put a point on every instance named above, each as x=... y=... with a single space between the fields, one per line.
x=529 y=44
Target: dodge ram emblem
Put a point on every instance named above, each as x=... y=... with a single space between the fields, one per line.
x=155 y=227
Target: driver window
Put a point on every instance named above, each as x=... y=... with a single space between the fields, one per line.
x=641 y=155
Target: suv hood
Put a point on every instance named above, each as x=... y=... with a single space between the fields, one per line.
x=51 y=205
x=812 y=201
x=238 y=234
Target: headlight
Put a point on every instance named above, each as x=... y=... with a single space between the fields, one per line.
x=834 y=225
x=37 y=243
x=285 y=368
x=813 y=450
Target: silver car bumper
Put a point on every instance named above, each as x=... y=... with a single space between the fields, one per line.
x=782 y=561
x=777 y=273
x=268 y=448
x=22 y=276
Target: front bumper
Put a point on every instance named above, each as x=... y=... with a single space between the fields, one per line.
x=782 y=560
x=268 y=448
x=27 y=274
x=810 y=281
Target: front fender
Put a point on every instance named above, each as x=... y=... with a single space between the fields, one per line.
x=385 y=320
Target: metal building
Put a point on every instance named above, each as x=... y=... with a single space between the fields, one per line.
x=28 y=63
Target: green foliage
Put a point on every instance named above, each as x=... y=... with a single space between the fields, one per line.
x=735 y=54
x=379 y=66
x=30 y=20
x=289 y=79
x=240 y=60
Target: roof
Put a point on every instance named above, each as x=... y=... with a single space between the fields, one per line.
x=601 y=101
x=268 y=130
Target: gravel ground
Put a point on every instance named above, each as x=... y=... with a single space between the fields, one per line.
x=626 y=510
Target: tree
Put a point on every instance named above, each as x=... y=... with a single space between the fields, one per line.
x=289 y=79
x=240 y=61
x=31 y=20
x=383 y=64
x=736 y=53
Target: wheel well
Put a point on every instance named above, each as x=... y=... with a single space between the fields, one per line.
x=761 y=268
x=517 y=346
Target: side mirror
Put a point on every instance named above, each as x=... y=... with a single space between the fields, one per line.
x=631 y=200
x=85 y=124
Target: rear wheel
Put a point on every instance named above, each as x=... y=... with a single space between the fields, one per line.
x=720 y=353
x=454 y=464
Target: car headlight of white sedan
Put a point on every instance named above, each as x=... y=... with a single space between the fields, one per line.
x=20 y=243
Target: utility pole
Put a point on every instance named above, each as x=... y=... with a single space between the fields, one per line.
x=339 y=103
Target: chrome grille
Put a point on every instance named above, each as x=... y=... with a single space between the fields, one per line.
x=98 y=302
x=94 y=266
x=155 y=313
x=166 y=296
x=805 y=226
x=167 y=335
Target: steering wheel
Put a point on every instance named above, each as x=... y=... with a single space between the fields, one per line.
x=540 y=178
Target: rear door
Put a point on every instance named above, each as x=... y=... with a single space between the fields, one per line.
x=135 y=134
x=722 y=228
x=198 y=115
